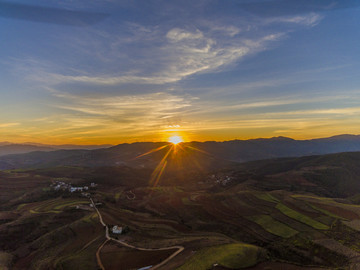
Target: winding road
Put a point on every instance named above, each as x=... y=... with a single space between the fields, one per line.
x=108 y=238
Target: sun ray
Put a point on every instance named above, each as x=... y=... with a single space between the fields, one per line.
x=176 y=144
x=152 y=151
x=160 y=167
x=156 y=181
x=199 y=150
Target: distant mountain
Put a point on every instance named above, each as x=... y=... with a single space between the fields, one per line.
x=4 y=143
x=7 y=148
x=194 y=154
x=257 y=149
x=72 y=146
x=22 y=148
x=334 y=175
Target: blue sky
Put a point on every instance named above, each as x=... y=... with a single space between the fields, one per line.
x=121 y=71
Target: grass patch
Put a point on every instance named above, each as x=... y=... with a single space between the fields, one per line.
x=186 y=201
x=90 y=218
x=50 y=211
x=232 y=256
x=300 y=217
x=273 y=226
x=312 y=197
x=266 y=197
x=56 y=206
x=70 y=204
x=20 y=206
x=117 y=195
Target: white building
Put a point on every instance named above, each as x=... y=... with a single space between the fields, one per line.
x=116 y=229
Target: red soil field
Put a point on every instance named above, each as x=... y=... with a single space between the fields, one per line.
x=280 y=266
x=116 y=257
x=341 y=212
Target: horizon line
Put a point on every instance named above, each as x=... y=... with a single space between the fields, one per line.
x=5 y=143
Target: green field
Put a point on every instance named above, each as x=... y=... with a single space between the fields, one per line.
x=56 y=206
x=266 y=197
x=273 y=226
x=300 y=217
x=232 y=256
x=300 y=196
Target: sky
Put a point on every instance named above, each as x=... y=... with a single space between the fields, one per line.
x=93 y=72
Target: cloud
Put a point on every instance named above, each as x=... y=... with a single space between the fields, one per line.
x=184 y=54
x=129 y=112
x=6 y=125
x=51 y=15
x=139 y=54
x=176 y=35
x=276 y=8
x=311 y=19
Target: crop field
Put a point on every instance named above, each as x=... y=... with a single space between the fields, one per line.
x=211 y=225
x=347 y=211
x=273 y=226
x=300 y=217
x=82 y=259
x=14 y=186
x=354 y=224
x=334 y=245
x=232 y=256
x=57 y=205
x=267 y=197
x=117 y=257
x=280 y=265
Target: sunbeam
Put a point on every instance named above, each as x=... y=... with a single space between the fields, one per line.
x=152 y=151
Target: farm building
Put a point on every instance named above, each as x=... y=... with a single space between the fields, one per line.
x=116 y=229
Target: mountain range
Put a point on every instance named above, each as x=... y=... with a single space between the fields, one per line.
x=8 y=148
x=206 y=154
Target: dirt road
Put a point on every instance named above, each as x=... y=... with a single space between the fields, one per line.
x=108 y=238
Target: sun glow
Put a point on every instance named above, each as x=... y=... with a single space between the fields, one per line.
x=173 y=155
x=175 y=140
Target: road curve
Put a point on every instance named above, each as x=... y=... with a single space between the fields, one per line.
x=98 y=259
x=108 y=238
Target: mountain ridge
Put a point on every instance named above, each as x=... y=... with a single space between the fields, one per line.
x=207 y=153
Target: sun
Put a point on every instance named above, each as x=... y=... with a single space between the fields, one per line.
x=175 y=140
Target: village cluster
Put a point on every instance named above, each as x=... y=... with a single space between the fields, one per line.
x=60 y=185
x=221 y=179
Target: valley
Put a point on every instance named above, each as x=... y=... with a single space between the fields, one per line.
x=263 y=214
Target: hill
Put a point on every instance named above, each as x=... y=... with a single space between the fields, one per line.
x=333 y=175
x=287 y=213
x=7 y=148
x=207 y=154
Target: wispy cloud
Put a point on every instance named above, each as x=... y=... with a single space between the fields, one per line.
x=182 y=54
x=6 y=125
x=133 y=113
x=311 y=19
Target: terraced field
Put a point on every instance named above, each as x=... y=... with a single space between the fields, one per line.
x=273 y=226
x=300 y=217
x=232 y=256
x=234 y=227
x=56 y=205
